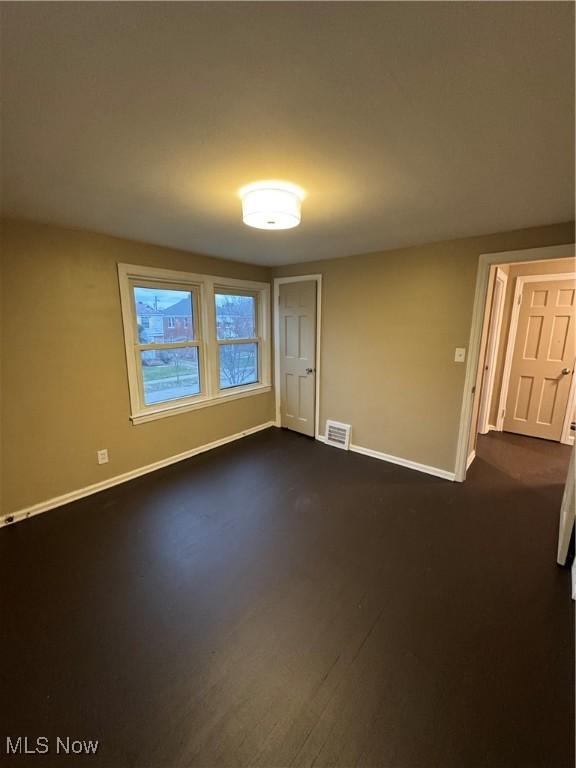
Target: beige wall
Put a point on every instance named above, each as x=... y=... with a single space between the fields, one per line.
x=390 y=325
x=551 y=267
x=65 y=389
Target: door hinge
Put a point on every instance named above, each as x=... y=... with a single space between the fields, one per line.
x=474 y=389
x=519 y=299
x=503 y=412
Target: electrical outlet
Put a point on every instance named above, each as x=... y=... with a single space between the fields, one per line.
x=460 y=355
x=102 y=456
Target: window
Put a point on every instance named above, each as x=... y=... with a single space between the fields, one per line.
x=192 y=340
x=238 y=343
x=169 y=364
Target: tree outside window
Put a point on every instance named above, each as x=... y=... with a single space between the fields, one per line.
x=236 y=320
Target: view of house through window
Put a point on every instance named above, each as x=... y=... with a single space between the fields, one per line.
x=192 y=340
x=165 y=319
x=236 y=335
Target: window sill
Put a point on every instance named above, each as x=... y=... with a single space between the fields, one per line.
x=224 y=397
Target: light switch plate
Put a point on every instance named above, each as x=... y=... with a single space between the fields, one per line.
x=460 y=355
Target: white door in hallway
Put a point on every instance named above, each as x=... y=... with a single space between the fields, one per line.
x=543 y=360
x=297 y=325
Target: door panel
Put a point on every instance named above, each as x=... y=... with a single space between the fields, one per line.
x=543 y=360
x=297 y=323
x=567 y=513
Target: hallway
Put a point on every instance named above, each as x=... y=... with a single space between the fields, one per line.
x=526 y=460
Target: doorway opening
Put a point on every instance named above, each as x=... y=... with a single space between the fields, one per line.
x=531 y=262
x=525 y=383
x=522 y=397
x=297 y=315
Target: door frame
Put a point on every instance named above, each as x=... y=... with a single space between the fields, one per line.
x=278 y=281
x=521 y=281
x=485 y=261
x=494 y=334
x=567 y=515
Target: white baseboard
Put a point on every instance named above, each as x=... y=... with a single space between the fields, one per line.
x=492 y=428
x=66 y=498
x=443 y=473
x=470 y=459
x=574 y=579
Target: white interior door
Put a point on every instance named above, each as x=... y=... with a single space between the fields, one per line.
x=567 y=513
x=297 y=351
x=542 y=361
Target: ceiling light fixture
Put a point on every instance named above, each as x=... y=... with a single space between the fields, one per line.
x=271 y=204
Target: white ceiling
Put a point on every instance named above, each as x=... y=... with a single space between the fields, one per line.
x=405 y=122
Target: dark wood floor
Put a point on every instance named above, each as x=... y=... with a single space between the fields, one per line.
x=277 y=602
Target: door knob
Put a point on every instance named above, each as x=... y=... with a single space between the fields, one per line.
x=565 y=371
x=309 y=370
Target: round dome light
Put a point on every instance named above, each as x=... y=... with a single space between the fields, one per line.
x=271 y=205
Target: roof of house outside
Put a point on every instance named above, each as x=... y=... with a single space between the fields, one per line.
x=182 y=308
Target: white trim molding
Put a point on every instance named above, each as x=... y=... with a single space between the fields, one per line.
x=485 y=261
x=278 y=281
x=567 y=513
x=66 y=498
x=225 y=397
x=492 y=346
x=470 y=459
x=407 y=463
x=567 y=438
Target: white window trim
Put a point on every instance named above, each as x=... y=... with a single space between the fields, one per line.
x=204 y=286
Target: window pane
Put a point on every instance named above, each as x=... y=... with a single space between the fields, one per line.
x=163 y=315
x=235 y=316
x=169 y=374
x=238 y=364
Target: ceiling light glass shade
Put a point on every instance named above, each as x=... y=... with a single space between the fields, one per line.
x=271 y=205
